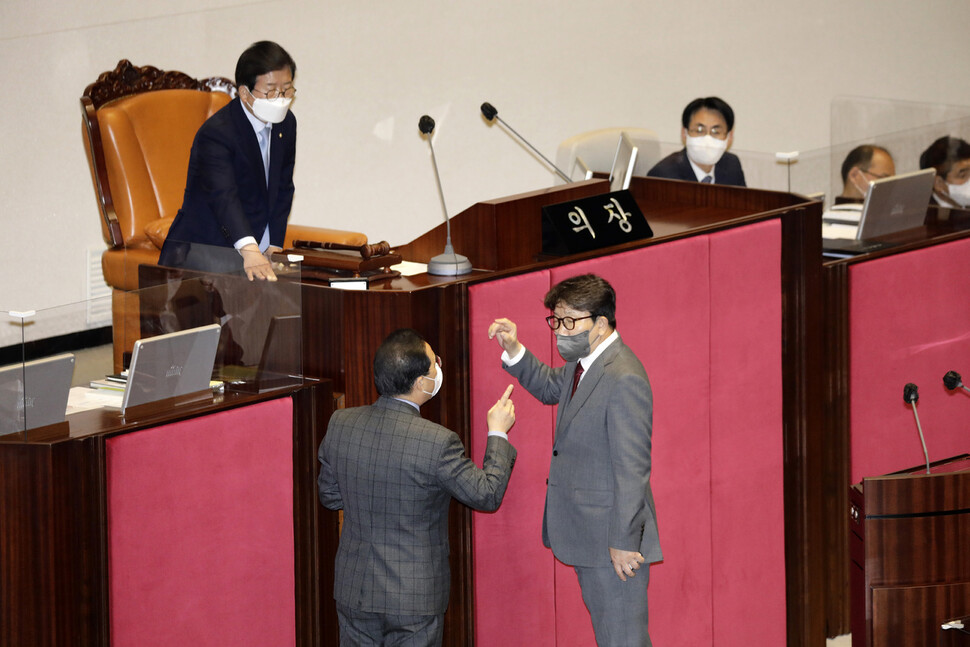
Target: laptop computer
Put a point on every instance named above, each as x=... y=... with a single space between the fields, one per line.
x=892 y=204
x=171 y=365
x=34 y=394
x=624 y=161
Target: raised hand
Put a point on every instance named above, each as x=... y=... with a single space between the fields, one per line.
x=501 y=416
x=506 y=332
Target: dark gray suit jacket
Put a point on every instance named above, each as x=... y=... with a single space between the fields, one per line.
x=599 y=493
x=676 y=166
x=393 y=473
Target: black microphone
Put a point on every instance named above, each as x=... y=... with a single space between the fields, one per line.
x=910 y=393
x=952 y=380
x=447 y=263
x=911 y=396
x=490 y=113
x=426 y=124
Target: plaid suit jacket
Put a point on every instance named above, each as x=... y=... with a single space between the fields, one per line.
x=393 y=473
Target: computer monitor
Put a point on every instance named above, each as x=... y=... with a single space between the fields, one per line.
x=171 y=365
x=34 y=394
x=623 y=163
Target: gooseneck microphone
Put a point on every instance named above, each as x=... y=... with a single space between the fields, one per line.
x=952 y=380
x=447 y=263
x=911 y=396
x=490 y=113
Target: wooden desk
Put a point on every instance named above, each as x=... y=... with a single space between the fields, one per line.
x=892 y=317
x=55 y=511
x=503 y=239
x=910 y=566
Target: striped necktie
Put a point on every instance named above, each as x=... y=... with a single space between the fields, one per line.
x=707 y=180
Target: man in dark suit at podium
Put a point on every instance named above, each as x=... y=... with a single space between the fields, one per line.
x=239 y=187
x=708 y=131
x=393 y=473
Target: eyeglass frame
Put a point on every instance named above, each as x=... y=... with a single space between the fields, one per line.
x=866 y=171
x=276 y=93
x=700 y=130
x=555 y=322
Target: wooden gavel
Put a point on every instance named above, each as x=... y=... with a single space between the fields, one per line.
x=366 y=251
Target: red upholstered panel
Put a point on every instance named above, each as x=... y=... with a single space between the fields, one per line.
x=704 y=316
x=200 y=531
x=663 y=314
x=514 y=572
x=747 y=468
x=909 y=321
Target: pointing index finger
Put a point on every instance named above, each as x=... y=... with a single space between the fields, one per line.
x=508 y=392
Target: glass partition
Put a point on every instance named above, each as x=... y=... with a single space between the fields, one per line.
x=855 y=119
x=761 y=170
x=257 y=343
x=905 y=129
x=260 y=346
x=39 y=365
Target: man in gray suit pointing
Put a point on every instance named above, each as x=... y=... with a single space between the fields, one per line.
x=599 y=515
x=393 y=473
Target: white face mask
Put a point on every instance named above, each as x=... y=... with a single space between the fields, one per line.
x=960 y=193
x=864 y=189
x=272 y=111
x=706 y=150
x=437 y=383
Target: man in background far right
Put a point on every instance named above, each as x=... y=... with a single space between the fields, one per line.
x=950 y=156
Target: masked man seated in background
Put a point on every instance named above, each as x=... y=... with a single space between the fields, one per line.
x=708 y=131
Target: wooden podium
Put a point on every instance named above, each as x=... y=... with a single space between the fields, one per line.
x=910 y=573
x=57 y=565
x=503 y=239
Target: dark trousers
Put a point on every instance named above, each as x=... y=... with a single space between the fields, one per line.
x=363 y=629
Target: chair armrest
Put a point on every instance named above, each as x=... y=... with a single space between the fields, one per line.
x=322 y=235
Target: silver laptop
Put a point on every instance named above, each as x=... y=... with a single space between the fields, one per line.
x=34 y=394
x=896 y=203
x=624 y=162
x=171 y=365
x=892 y=204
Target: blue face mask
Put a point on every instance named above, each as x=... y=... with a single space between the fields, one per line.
x=575 y=347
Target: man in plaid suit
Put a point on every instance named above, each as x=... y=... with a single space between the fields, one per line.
x=394 y=474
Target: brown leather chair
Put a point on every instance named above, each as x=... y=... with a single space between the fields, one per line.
x=138 y=127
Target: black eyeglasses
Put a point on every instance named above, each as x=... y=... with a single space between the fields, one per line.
x=566 y=322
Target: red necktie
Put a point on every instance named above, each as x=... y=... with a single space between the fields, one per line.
x=576 y=376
